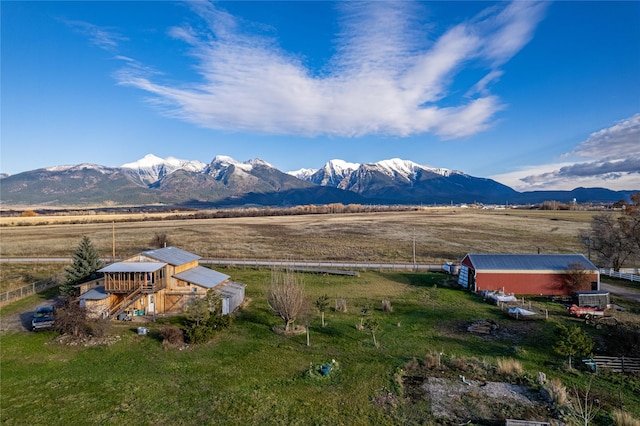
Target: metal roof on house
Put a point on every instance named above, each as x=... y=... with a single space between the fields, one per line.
x=529 y=262
x=133 y=267
x=230 y=289
x=96 y=293
x=202 y=276
x=172 y=255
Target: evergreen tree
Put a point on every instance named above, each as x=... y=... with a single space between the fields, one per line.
x=572 y=341
x=86 y=261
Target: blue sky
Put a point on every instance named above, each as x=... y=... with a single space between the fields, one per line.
x=537 y=95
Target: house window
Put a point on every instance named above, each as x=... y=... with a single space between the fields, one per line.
x=195 y=289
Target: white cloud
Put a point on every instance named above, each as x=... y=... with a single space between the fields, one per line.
x=104 y=38
x=618 y=141
x=612 y=161
x=387 y=76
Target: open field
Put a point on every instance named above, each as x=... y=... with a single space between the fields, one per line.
x=252 y=375
x=442 y=234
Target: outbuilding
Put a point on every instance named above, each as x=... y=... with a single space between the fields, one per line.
x=545 y=274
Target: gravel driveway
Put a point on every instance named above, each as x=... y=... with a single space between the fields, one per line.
x=626 y=292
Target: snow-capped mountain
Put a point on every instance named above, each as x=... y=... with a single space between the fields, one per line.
x=338 y=173
x=333 y=172
x=150 y=169
x=302 y=174
x=76 y=167
x=225 y=182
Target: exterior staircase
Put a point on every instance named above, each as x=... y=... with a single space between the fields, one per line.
x=128 y=300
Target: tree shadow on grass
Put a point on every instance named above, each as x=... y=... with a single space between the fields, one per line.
x=421 y=279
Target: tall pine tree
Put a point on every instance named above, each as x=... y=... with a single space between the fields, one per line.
x=86 y=261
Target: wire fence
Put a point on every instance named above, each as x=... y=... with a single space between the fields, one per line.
x=24 y=291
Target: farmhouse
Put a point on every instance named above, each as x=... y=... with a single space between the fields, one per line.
x=545 y=274
x=154 y=282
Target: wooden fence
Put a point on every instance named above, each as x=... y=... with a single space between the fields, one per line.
x=621 y=275
x=621 y=364
x=512 y=422
x=24 y=291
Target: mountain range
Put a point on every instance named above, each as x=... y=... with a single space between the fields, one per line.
x=226 y=182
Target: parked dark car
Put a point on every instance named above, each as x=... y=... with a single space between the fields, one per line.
x=44 y=317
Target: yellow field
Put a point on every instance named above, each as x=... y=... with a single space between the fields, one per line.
x=440 y=234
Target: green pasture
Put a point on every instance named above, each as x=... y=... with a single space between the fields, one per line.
x=251 y=374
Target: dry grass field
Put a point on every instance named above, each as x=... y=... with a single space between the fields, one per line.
x=440 y=234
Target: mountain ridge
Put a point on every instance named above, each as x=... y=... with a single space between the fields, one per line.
x=226 y=181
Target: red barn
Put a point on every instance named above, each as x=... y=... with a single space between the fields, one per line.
x=525 y=273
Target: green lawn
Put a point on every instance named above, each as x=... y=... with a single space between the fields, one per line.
x=252 y=375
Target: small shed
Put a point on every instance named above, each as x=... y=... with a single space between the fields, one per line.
x=539 y=274
x=599 y=299
x=97 y=302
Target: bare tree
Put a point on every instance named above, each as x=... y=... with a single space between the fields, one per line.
x=576 y=277
x=306 y=317
x=583 y=410
x=71 y=318
x=286 y=297
x=160 y=240
x=610 y=238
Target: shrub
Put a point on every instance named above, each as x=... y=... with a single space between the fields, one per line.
x=341 y=305
x=172 y=336
x=432 y=359
x=217 y=321
x=99 y=327
x=412 y=368
x=197 y=334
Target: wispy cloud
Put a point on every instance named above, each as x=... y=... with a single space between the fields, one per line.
x=388 y=75
x=612 y=159
x=102 y=37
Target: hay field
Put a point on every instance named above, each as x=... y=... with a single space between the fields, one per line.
x=440 y=234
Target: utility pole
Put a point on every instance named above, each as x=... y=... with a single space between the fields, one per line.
x=113 y=241
x=587 y=242
x=414 y=249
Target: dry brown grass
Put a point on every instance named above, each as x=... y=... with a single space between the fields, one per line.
x=509 y=366
x=440 y=234
x=622 y=418
x=557 y=393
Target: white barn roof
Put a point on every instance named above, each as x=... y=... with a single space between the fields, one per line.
x=529 y=262
x=172 y=255
x=202 y=276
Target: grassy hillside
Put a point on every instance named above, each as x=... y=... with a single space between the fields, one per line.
x=250 y=374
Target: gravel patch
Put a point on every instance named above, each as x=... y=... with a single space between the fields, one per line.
x=444 y=394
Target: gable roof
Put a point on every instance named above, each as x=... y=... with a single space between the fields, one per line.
x=96 y=293
x=202 y=276
x=133 y=267
x=528 y=262
x=172 y=255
